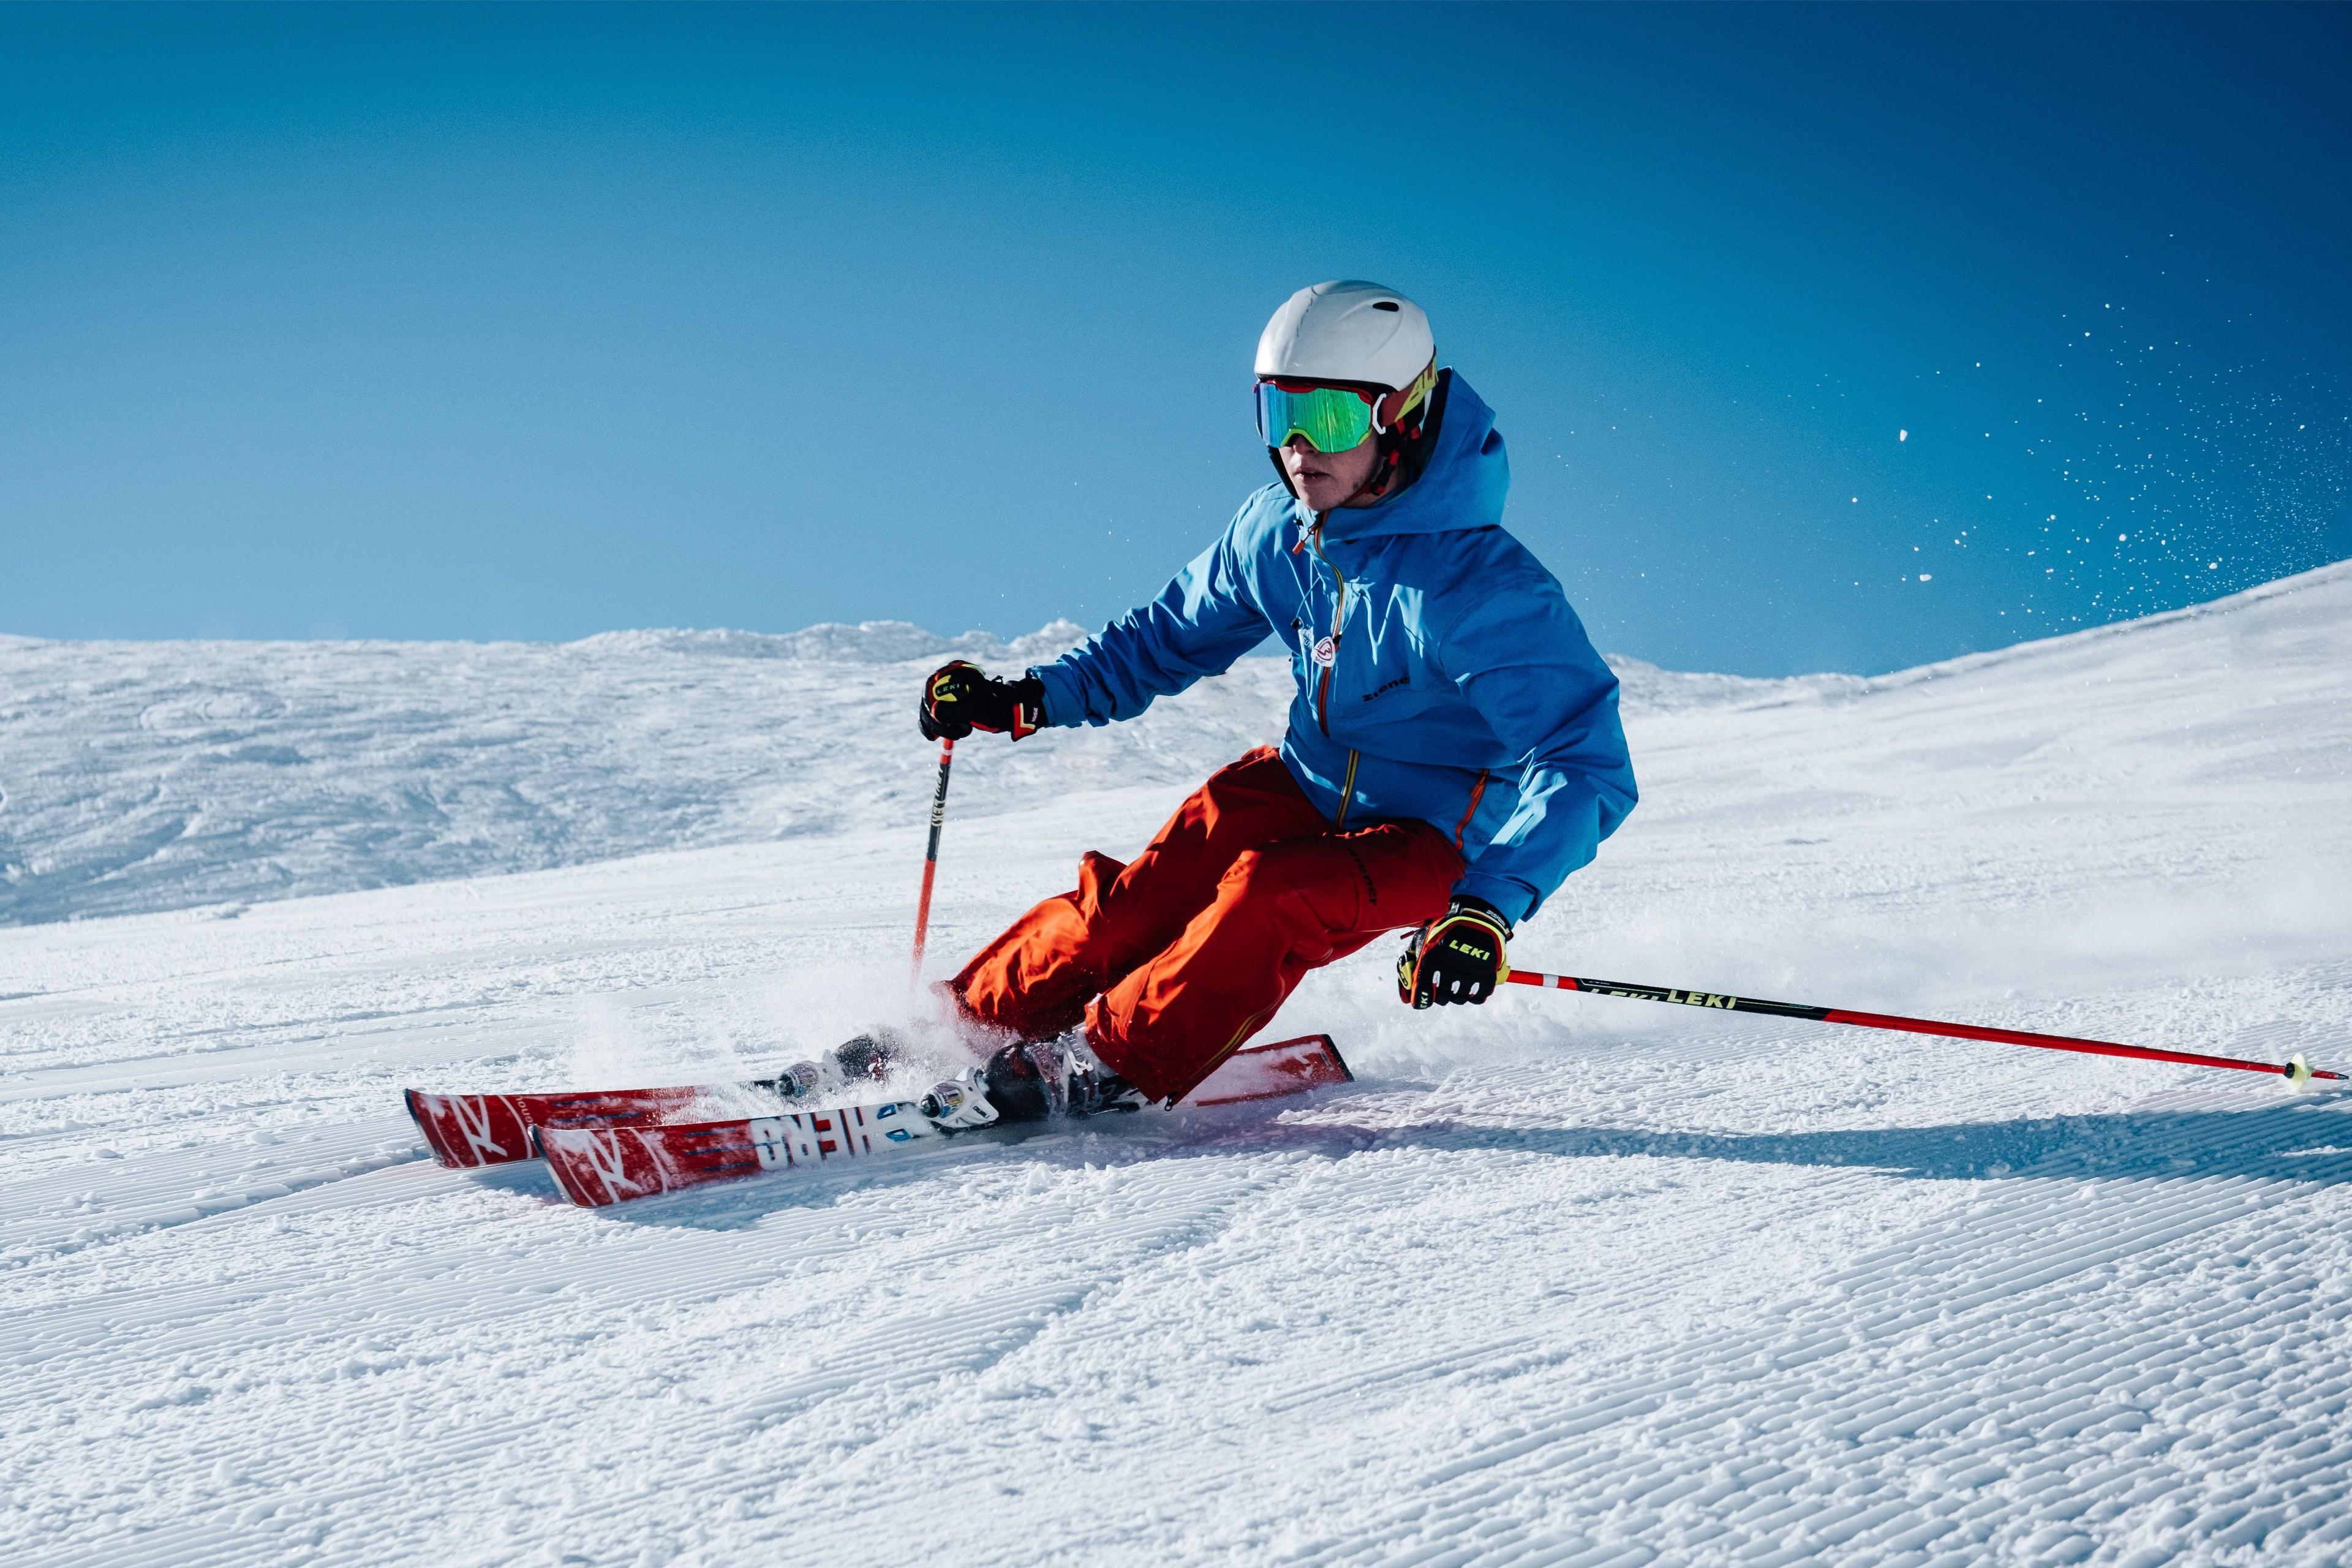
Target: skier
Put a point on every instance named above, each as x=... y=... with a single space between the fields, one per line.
x=1454 y=751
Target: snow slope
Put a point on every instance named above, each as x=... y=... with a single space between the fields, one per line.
x=1560 y=1281
x=139 y=776
x=144 y=776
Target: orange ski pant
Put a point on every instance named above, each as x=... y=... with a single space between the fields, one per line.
x=1175 y=959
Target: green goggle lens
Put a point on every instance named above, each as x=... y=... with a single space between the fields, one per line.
x=1332 y=419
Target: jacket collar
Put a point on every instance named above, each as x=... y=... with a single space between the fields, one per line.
x=1462 y=485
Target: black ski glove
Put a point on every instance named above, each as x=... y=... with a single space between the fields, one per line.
x=960 y=698
x=1455 y=958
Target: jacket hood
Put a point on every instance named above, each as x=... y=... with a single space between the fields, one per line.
x=1462 y=485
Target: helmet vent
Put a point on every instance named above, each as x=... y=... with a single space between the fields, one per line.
x=1384 y=305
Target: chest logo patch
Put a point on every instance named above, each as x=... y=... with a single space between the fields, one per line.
x=1326 y=652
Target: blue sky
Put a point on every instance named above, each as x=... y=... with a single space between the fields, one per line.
x=1843 y=338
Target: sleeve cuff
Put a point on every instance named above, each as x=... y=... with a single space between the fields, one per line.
x=1060 y=699
x=1512 y=898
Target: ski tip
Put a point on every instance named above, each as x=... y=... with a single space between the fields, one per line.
x=420 y=1112
x=1271 y=1071
x=1331 y=1049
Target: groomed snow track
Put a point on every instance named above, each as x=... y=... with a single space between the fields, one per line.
x=1568 y=1282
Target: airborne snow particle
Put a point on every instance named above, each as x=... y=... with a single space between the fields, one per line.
x=1903 y=435
x=1926 y=576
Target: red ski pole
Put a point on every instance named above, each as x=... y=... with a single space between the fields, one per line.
x=2295 y=1071
x=931 y=855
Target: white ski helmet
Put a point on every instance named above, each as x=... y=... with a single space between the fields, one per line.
x=1347 y=331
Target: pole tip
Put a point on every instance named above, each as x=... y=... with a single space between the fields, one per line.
x=2298 y=1072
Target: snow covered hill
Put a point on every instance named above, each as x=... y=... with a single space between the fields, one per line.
x=1562 y=1280
x=139 y=776
x=144 y=776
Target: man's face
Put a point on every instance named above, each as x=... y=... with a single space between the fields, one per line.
x=1325 y=479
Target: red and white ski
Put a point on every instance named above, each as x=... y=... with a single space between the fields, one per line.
x=468 y=1131
x=1272 y=1070
x=596 y=1166
x=607 y=1146
x=600 y=1165
x=465 y=1131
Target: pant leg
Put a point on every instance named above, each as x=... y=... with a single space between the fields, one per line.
x=1036 y=978
x=1279 y=911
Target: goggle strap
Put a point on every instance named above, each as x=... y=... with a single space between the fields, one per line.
x=1422 y=385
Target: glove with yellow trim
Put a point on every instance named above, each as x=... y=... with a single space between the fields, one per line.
x=1456 y=958
x=961 y=697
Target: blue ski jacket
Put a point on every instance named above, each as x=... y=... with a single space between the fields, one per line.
x=1442 y=674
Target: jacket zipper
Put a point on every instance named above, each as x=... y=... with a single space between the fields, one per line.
x=1347 y=791
x=1323 y=683
x=1338 y=619
x=1477 y=794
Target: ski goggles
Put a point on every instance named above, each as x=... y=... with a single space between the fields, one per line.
x=1332 y=419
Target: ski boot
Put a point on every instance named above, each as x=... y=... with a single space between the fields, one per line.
x=1031 y=1081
